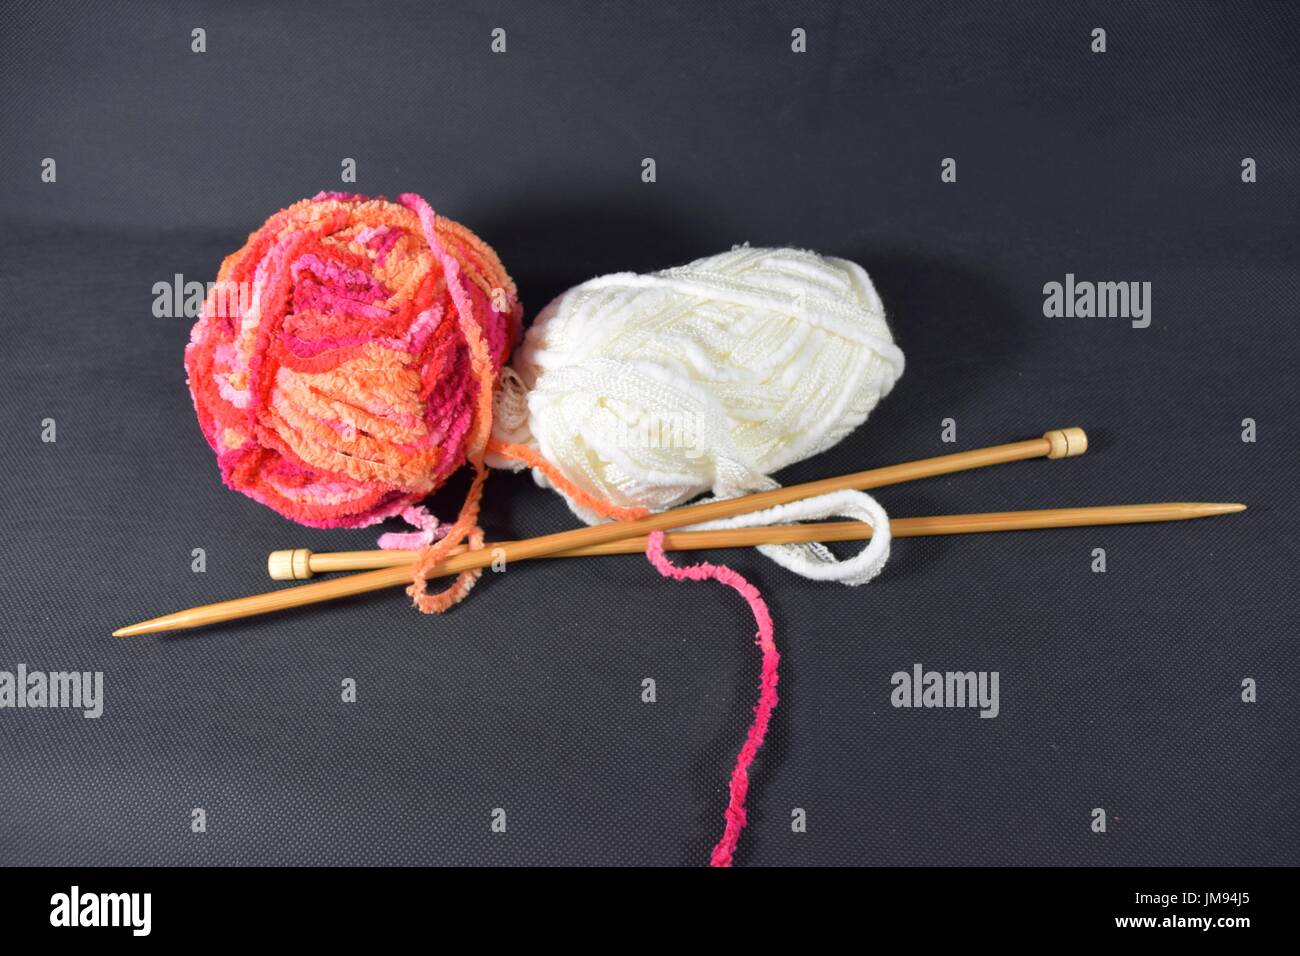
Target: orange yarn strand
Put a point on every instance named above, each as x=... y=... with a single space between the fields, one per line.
x=533 y=460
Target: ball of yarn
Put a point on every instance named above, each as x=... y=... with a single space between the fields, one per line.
x=645 y=390
x=347 y=354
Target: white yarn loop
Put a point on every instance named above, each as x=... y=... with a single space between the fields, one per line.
x=649 y=390
x=815 y=561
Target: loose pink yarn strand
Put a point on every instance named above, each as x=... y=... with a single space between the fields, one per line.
x=735 y=813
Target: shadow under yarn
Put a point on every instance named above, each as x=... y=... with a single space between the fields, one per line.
x=959 y=330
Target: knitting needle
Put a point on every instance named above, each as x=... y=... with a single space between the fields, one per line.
x=399 y=573
x=300 y=564
x=1059 y=443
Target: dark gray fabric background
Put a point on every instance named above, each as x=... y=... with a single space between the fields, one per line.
x=1118 y=690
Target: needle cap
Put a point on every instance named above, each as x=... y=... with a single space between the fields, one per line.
x=1067 y=442
x=293 y=565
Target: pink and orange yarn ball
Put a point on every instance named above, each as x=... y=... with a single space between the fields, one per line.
x=345 y=360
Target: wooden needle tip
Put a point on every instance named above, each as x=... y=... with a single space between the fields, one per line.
x=171 y=622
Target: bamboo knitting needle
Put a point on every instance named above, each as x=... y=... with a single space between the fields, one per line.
x=300 y=563
x=396 y=574
x=1060 y=443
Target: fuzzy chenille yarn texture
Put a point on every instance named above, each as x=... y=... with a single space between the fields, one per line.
x=346 y=358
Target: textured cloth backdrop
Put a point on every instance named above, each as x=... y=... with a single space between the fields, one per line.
x=1119 y=690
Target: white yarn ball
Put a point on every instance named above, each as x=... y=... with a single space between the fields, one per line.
x=647 y=390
